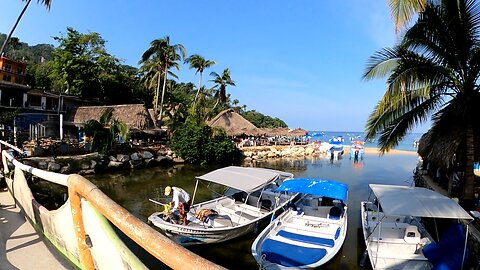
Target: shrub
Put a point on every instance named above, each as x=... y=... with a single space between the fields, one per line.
x=200 y=144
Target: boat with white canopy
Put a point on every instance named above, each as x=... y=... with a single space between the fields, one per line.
x=250 y=198
x=395 y=237
x=311 y=232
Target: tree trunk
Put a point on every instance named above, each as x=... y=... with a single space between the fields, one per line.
x=198 y=90
x=158 y=90
x=14 y=27
x=163 y=93
x=469 y=186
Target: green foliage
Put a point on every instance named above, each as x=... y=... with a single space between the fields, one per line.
x=6 y=117
x=105 y=131
x=263 y=121
x=201 y=144
x=21 y=51
x=81 y=63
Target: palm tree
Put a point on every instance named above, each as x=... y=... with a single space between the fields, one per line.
x=221 y=83
x=200 y=64
x=105 y=131
x=433 y=71
x=162 y=56
x=46 y=3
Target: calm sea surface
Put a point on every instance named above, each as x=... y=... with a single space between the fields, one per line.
x=132 y=189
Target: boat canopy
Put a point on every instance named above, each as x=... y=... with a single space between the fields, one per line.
x=317 y=187
x=244 y=178
x=416 y=201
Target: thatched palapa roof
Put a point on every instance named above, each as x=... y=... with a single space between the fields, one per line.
x=233 y=123
x=135 y=116
x=236 y=125
x=298 y=132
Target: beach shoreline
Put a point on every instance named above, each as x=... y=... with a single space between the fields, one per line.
x=368 y=150
x=374 y=150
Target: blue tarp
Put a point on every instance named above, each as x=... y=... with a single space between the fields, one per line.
x=317 y=187
x=291 y=255
x=448 y=253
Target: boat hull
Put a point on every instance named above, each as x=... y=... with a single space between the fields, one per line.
x=385 y=242
x=299 y=241
x=234 y=219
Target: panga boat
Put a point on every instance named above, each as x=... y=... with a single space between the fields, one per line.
x=357 y=150
x=336 y=147
x=396 y=239
x=311 y=232
x=253 y=198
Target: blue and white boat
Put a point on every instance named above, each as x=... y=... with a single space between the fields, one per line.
x=357 y=150
x=311 y=232
x=336 y=147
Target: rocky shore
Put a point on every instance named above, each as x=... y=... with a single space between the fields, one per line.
x=95 y=162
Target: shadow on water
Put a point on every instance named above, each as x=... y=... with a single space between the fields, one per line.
x=132 y=189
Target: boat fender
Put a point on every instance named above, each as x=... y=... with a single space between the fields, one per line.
x=363 y=258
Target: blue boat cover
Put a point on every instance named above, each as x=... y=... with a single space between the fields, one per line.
x=448 y=253
x=307 y=239
x=291 y=255
x=317 y=187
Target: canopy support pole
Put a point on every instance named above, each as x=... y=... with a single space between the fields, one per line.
x=194 y=192
x=378 y=243
x=465 y=247
x=436 y=229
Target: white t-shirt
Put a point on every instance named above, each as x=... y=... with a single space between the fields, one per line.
x=179 y=196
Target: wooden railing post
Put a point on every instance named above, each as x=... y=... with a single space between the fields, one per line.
x=84 y=250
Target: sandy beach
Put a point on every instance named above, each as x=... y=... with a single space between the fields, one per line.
x=368 y=150
x=373 y=150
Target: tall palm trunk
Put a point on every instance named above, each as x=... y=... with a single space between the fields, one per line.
x=158 y=89
x=469 y=187
x=198 y=90
x=163 y=93
x=14 y=27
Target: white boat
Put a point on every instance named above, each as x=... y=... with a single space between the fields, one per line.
x=357 y=150
x=335 y=149
x=253 y=199
x=309 y=234
x=394 y=236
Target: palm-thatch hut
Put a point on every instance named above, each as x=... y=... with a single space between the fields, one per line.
x=135 y=116
x=234 y=124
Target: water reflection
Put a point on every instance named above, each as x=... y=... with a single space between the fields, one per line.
x=132 y=189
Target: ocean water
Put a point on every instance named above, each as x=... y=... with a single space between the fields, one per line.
x=406 y=144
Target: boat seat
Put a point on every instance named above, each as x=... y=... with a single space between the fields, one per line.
x=290 y=255
x=412 y=236
x=307 y=239
x=335 y=213
x=245 y=215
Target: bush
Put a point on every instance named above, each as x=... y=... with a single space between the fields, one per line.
x=200 y=144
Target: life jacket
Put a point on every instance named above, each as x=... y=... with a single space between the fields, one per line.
x=204 y=214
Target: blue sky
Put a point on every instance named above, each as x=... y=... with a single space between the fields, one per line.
x=300 y=61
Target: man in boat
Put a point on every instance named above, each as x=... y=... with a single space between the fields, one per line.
x=180 y=200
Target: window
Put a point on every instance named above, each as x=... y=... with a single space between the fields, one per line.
x=18 y=80
x=8 y=67
x=6 y=77
x=19 y=70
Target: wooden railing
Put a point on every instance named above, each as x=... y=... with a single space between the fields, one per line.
x=80 y=190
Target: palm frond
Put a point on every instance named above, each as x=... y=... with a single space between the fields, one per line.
x=403 y=10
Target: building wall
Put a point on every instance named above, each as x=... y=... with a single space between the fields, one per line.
x=12 y=71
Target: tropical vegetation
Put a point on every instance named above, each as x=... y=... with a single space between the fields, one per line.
x=105 y=132
x=202 y=144
x=433 y=71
